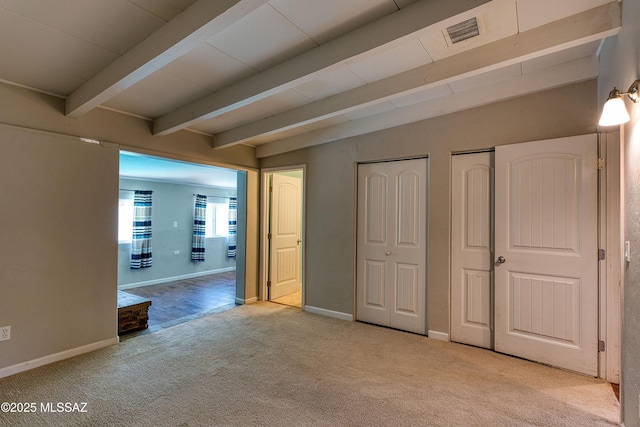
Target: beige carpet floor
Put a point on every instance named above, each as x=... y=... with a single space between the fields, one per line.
x=268 y=364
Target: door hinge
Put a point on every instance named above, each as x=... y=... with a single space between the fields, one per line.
x=268 y=283
x=601 y=254
x=268 y=236
x=602 y=346
x=600 y=163
x=271 y=189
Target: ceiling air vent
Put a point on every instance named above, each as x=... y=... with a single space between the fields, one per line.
x=463 y=31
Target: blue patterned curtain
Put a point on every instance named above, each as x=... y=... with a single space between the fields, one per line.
x=199 y=228
x=141 y=241
x=233 y=227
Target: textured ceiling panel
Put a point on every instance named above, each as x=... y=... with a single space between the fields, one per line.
x=209 y=68
x=327 y=19
x=47 y=48
x=262 y=39
x=164 y=9
x=115 y=25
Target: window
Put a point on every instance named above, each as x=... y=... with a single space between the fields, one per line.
x=125 y=220
x=217 y=219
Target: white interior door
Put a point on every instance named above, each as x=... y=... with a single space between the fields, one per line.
x=546 y=289
x=391 y=244
x=471 y=249
x=285 y=229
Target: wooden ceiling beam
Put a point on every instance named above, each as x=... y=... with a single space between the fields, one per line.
x=575 y=30
x=193 y=26
x=366 y=41
x=548 y=78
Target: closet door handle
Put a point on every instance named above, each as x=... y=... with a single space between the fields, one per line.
x=387 y=253
x=501 y=260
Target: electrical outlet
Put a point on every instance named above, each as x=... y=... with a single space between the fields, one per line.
x=5 y=333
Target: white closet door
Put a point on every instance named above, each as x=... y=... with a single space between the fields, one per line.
x=471 y=249
x=391 y=244
x=546 y=297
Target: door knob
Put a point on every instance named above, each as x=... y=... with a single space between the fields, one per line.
x=299 y=241
x=500 y=260
x=387 y=253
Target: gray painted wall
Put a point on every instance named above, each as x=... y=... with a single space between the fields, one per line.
x=35 y=110
x=248 y=237
x=331 y=183
x=58 y=220
x=620 y=66
x=173 y=202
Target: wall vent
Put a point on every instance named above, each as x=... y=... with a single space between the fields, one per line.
x=463 y=31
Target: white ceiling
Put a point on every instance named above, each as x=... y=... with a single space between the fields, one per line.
x=286 y=74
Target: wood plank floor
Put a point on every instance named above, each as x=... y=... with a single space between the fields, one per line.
x=184 y=300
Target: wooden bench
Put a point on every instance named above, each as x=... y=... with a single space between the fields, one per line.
x=133 y=312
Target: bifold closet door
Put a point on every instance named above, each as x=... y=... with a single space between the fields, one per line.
x=471 y=249
x=391 y=244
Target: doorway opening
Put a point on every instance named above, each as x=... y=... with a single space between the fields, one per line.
x=176 y=287
x=282 y=260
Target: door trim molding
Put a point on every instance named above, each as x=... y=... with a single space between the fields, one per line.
x=610 y=270
x=264 y=227
x=398 y=159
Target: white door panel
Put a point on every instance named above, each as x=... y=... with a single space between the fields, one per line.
x=391 y=276
x=471 y=249
x=285 y=226
x=546 y=229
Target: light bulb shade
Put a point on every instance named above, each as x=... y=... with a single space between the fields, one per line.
x=614 y=112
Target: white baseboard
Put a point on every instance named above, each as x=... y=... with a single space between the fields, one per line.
x=175 y=278
x=329 y=313
x=246 y=301
x=441 y=336
x=36 y=363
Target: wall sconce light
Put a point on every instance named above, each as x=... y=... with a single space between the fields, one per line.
x=614 y=111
